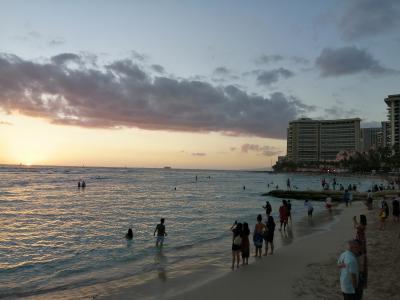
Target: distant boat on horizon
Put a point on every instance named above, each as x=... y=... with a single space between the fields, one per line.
x=167 y=168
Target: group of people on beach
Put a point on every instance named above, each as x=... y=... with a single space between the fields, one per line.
x=353 y=262
x=262 y=233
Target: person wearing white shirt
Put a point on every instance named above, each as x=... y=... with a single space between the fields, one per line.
x=349 y=270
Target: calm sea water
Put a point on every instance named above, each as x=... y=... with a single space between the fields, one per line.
x=55 y=237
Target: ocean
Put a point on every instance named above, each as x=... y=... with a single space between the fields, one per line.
x=61 y=241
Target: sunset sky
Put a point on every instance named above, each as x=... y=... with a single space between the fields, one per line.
x=187 y=84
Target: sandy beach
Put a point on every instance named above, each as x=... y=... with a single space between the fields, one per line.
x=307 y=269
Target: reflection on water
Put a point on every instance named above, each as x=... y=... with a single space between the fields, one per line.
x=54 y=235
x=160 y=261
x=287 y=236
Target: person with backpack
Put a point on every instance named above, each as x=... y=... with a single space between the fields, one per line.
x=236 y=243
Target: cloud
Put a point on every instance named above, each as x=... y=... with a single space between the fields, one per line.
x=122 y=94
x=265 y=59
x=34 y=34
x=272 y=58
x=221 y=71
x=262 y=150
x=158 y=68
x=299 y=60
x=65 y=57
x=348 y=60
x=199 y=154
x=5 y=123
x=336 y=112
x=56 y=42
x=365 y=18
x=272 y=76
x=138 y=56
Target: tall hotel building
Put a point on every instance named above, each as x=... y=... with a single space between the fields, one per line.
x=385 y=137
x=371 y=138
x=393 y=103
x=322 y=140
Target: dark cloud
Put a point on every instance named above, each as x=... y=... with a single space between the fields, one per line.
x=199 y=154
x=262 y=150
x=348 y=60
x=299 y=60
x=265 y=59
x=221 y=71
x=364 y=18
x=122 y=94
x=65 y=58
x=158 y=69
x=272 y=76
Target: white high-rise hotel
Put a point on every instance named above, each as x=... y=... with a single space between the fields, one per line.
x=393 y=103
x=321 y=140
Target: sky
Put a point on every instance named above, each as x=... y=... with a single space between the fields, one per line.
x=186 y=84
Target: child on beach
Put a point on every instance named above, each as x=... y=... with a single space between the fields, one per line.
x=160 y=229
x=258 y=236
x=236 y=243
x=309 y=207
x=245 y=246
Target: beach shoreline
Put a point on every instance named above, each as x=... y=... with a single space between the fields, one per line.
x=276 y=276
x=280 y=270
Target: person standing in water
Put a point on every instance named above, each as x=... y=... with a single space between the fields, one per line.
x=283 y=215
x=289 y=209
x=309 y=208
x=236 y=243
x=129 y=234
x=160 y=229
x=288 y=184
x=268 y=208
